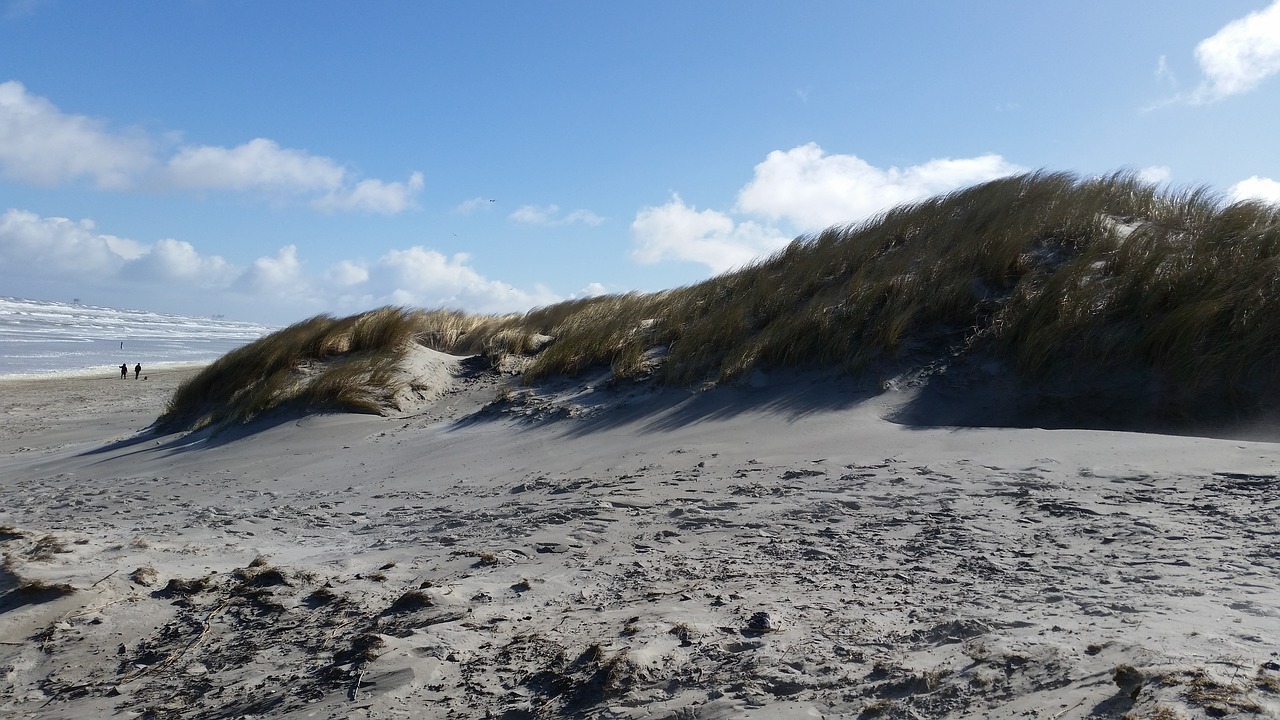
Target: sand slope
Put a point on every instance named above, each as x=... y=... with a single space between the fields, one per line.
x=587 y=550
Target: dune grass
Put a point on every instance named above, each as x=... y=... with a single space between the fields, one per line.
x=325 y=363
x=320 y=363
x=1064 y=280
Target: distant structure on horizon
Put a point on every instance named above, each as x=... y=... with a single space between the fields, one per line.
x=75 y=301
x=217 y=317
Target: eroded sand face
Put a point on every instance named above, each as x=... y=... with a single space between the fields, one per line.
x=777 y=551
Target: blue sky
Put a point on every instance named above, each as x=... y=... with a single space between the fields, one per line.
x=270 y=161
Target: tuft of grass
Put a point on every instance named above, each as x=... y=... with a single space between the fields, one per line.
x=1109 y=291
x=1223 y=697
x=41 y=591
x=877 y=708
x=321 y=596
x=410 y=601
x=46 y=547
x=1267 y=681
x=261 y=576
x=685 y=634
x=179 y=587
x=364 y=648
x=145 y=576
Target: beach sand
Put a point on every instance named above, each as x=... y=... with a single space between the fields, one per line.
x=591 y=549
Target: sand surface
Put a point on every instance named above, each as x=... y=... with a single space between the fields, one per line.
x=776 y=550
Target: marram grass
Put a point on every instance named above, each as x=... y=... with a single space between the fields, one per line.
x=1068 y=282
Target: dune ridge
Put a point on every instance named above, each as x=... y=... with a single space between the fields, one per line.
x=1102 y=302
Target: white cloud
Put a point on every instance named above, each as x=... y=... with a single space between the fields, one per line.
x=174 y=274
x=534 y=215
x=259 y=164
x=550 y=215
x=41 y=145
x=1155 y=174
x=814 y=190
x=1164 y=73
x=419 y=276
x=582 y=217
x=279 y=275
x=470 y=207
x=1257 y=188
x=347 y=273
x=178 y=262
x=803 y=188
x=1240 y=56
x=376 y=196
x=58 y=247
x=676 y=231
x=124 y=247
x=591 y=290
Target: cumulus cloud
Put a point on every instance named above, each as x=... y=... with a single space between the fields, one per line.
x=274 y=287
x=280 y=275
x=676 y=231
x=1257 y=188
x=419 y=276
x=1155 y=174
x=1237 y=58
x=41 y=145
x=376 y=196
x=178 y=262
x=347 y=273
x=259 y=164
x=814 y=190
x=551 y=215
x=791 y=193
x=59 y=246
x=591 y=290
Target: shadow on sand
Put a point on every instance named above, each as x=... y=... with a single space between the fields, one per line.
x=960 y=400
x=790 y=395
x=947 y=400
x=151 y=440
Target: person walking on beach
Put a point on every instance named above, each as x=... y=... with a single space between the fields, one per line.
x=124 y=371
x=137 y=370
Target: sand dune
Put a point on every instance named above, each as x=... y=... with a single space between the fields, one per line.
x=592 y=549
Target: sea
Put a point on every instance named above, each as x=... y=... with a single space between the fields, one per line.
x=40 y=337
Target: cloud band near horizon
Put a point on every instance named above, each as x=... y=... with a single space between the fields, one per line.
x=41 y=145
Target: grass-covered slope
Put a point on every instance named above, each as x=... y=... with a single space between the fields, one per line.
x=1166 y=299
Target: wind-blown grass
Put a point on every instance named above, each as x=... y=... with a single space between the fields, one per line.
x=1076 y=283
x=320 y=363
x=326 y=363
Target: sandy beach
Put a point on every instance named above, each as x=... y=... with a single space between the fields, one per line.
x=43 y=412
x=613 y=550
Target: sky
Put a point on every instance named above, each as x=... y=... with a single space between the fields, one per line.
x=272 y=161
